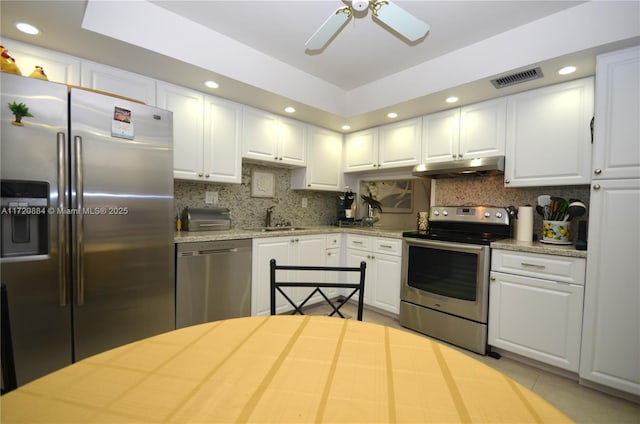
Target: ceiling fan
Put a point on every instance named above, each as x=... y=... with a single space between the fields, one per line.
x=383 y=11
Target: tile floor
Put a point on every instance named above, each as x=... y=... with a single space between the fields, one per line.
x=582 y=404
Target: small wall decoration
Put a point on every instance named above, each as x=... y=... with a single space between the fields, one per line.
x=394 y=196
x=262 y=184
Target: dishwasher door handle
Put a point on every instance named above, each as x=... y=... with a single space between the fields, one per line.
x=208 y=252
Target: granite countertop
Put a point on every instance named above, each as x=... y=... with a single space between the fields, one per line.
x=538 y=247
x=237 y=233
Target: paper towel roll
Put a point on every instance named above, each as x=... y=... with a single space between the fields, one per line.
x=524 y=225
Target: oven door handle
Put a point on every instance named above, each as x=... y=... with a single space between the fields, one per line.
x=445 y=245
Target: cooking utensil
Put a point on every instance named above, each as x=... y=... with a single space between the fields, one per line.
x=540 y=211
x=576 y=209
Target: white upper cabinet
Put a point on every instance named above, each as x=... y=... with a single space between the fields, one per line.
x=361 y=150
x=549 y=135
x=222 y=141
x=269 y=138
x=440 y=136
x=389 y=146
x=324 y=162
x=206 y=135
x=473 y=131
x=400 y=144
x=482 y=129
x=616 y=148
x=116 y=81
x=59 y=67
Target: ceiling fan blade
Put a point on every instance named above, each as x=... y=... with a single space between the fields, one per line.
x=329 y=28
x=400 y=20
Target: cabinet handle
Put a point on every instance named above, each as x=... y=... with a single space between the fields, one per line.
x=507 y=181
x=386 y=246
x=356 y=242
x=596 y=187
x=453 y=156
x=532 y=265
x=597 y=171
x=459 y=156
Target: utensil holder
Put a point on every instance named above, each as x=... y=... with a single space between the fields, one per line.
x=556 y=232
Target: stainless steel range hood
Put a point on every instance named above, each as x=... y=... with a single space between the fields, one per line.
x=456 y=168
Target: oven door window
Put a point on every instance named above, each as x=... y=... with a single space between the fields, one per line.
x=443 y=272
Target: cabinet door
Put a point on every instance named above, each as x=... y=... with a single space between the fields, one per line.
x=59 y=67
x=482 y=129
x=549 y=136
x=187 y=107
x=116 y=81
x=354 y=257
x=278 y=248
x=292 y=142
x=440 y=136
x=616 y=149
x=386 y=289
x=610 y=339
x=324 y=164
x=310 y=251
x=259 y=135
x=222 y=156
x=400 y=144
x=361 y=150
x=536 y=318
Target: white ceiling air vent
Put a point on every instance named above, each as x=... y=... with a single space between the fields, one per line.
x=517 y=78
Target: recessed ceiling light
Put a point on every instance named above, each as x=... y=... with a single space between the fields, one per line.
x=346 y=127
x=289 y=109
x=452 y=99
x=211 y=84
x=27 y=28
x=392 y=115
x=567 y=70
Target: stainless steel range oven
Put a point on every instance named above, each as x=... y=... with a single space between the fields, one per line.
x=445 y=273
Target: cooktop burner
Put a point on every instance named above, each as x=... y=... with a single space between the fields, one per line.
x=466 y=224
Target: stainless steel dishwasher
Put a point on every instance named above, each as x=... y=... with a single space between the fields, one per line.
x=213 y=281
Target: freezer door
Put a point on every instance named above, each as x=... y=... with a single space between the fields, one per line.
x=121 y=154
x=37 y=288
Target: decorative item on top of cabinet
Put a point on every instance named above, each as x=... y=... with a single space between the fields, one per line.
x=473 y=131
x=270 y=138
x=324 y=162
x=386 y=147
x=60 y=67
x=549 y=135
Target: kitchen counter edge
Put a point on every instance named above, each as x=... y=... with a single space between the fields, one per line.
x=538 y=247
x=236 y=234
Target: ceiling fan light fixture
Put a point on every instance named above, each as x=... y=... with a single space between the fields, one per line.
x=360 y=5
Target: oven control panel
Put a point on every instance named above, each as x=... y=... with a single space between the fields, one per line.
x=480 y=214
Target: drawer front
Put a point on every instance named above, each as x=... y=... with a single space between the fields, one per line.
x=555 y=268
x=358 y=242
x=388 y=245
x=334 y=240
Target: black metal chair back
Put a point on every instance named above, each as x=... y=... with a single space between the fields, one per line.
x=277 y=286
x=9 y=380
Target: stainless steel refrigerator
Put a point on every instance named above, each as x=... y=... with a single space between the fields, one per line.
x=87 y=210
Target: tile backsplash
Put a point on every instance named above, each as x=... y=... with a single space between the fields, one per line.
x=249 y=212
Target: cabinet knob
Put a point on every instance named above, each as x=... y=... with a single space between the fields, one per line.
x=596 y=186
x=597 y=171
x=507 y=181
x=308 y=185
x=459 y=156
x=453 y=156
x=199 y=174
x=493 y=278
x=206 y=175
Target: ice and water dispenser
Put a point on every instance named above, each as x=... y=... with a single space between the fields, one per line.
x=24 y=218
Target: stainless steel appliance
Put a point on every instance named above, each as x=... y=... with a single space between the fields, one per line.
x=445 y=273
x=93 y=173
x=213 y=281
x=206 y=219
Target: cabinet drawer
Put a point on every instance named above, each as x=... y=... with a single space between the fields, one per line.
x=555 y=268
x=388 y=246
x=334 y=240
x=358 y=242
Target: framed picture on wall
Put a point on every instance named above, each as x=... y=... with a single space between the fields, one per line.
x=262 y=184
x=396 y=196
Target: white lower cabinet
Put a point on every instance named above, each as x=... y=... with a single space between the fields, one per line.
x=289 y=250
x=383 y=257
x=535 y=306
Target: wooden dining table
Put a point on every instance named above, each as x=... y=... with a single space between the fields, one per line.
x=278 y=369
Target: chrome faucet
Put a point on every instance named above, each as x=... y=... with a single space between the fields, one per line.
x=267 y=221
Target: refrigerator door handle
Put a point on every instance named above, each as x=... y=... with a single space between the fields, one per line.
x=61 y=217
x=78 y=219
